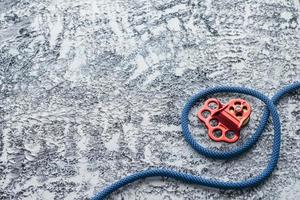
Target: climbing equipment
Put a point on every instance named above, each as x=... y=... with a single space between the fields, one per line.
x=236 y=151
x=224 y=122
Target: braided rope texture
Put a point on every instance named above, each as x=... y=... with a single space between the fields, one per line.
x=270 y=109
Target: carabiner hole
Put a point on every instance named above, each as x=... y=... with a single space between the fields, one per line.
x=245 y=108
x=237 y=103
x=239 y=115
x=205 y=113
x=212 y=105
x=214 y=122
x=217 y=133
x=230 y=134
x=231 y=109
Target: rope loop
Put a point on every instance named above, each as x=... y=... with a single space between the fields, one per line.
x=270 y=109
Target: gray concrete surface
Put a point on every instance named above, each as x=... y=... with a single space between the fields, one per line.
x=91 y=91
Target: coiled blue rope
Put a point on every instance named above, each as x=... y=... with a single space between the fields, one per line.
x=189 y=178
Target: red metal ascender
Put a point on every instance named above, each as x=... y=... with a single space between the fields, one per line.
x=224 y=122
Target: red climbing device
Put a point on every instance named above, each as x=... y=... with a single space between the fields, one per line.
x=224 y=122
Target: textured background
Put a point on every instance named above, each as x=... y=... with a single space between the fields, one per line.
x=91 y=91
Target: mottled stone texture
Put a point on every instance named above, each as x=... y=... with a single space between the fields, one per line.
x=91 y=90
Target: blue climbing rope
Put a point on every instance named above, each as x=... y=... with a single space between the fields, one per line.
x=189 y=178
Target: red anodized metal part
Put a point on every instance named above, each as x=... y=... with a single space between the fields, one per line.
x=224 y=122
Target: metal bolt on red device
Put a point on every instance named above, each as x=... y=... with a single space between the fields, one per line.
x=224 y=122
